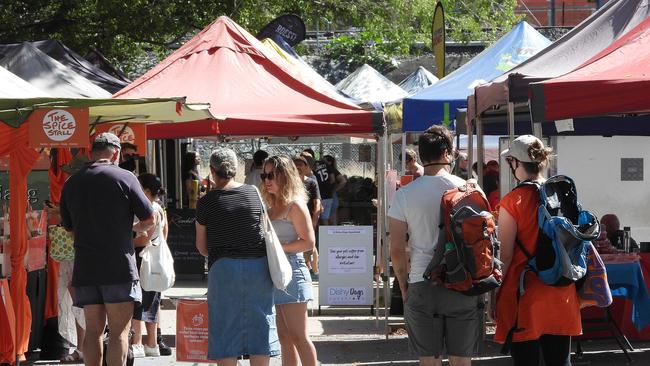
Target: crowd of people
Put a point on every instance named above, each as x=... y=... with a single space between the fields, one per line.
x=113 y=209
x=114 y=215
x=441 y=321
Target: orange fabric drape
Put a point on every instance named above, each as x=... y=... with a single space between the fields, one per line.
x=8 y=321
x=13 y=142
x=57 y=179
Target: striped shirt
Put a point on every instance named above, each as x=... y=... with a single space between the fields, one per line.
x=233 y=223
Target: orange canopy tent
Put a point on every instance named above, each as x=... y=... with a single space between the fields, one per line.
x=251 y=89
x=14 y=142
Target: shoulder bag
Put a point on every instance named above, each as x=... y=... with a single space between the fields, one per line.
x=279 y=266
x=157 y=269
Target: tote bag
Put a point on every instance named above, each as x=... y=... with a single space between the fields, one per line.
x=593 y=289
x=279 y=266
x=157 y=269
x=61 y=243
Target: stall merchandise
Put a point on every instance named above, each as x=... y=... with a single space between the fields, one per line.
x=252 y=90
x=438 y=103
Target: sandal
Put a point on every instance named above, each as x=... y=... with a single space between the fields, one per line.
x=75 y=357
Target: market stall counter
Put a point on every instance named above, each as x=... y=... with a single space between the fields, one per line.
x=630 y=309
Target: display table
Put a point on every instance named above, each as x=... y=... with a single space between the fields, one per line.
x=630 y=309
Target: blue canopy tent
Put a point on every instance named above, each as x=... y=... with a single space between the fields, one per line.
x=437 y=104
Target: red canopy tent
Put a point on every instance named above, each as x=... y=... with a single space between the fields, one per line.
x=251 y=90
x=615 y=81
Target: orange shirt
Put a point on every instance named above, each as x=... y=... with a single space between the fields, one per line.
x=542 y=309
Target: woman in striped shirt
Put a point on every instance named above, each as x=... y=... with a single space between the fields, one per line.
x=240 y=290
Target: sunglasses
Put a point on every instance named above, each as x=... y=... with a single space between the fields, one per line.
x=268 y=176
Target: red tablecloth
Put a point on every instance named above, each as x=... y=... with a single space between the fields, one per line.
x=621 y=310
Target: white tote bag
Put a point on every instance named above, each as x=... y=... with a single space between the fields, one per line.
x=279 y=266
x=157 y=269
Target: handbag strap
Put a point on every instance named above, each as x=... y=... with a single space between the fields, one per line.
x=264 y=215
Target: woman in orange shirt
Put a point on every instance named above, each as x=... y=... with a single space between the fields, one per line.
x=543 y=318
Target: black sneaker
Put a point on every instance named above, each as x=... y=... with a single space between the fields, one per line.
x=165 y=350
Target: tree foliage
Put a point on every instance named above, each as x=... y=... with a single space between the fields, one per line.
x=123 y=29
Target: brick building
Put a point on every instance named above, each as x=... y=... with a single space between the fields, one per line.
x=567 y=12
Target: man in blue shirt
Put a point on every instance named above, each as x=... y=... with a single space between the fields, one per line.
x=98 y=204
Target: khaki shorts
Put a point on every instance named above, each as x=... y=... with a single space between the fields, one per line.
x=439 y=320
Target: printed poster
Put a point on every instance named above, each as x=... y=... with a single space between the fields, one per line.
x=345 y=260
x=192 y=331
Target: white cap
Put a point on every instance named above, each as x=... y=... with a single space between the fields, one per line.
x=520 y=146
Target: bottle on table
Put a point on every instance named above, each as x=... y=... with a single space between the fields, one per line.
x=626 y=239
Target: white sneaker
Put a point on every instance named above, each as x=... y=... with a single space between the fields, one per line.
x=152 y=351
x=138 y=350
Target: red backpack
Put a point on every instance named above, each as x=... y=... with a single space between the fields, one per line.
x=466 y=256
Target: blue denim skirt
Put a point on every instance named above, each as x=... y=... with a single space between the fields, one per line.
x=241 y=313
x=299 y=289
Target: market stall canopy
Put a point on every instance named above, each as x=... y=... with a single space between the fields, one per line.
x=369 y=86
x=438 y=103
x=615 y=81
x=99 y=60
x=252 y=90
x=584 y=41
x=418 y=80
x=15 y=87
x=48 y=74
x=69 y=58
x=14 y=112
x=308 y=75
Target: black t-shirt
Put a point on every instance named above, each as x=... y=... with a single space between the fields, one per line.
x=313 y=193
x=323 y=174
x=98 y=203
x=232 y=221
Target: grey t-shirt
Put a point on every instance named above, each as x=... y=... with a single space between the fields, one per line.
x=98 y=203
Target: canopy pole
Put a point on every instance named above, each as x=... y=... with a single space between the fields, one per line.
x=178 y=178
x=151 y=157
x=470 y=147
x=381 y=227
x=480 y=150
x=403 y=153
x=511 y=138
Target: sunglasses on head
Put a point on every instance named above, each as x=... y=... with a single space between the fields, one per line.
x=268 y=176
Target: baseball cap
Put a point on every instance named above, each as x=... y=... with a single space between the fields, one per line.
x=519 y=148
x=109 y=139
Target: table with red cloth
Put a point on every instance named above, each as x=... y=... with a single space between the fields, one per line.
x=630 y=299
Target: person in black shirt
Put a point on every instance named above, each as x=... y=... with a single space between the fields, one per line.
x=98 y=204
x=241 y=318
x=339 y=181
x=313 y=204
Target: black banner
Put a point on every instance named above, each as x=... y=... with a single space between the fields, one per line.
x=289 y=27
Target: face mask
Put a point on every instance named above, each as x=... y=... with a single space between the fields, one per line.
x=513 y=170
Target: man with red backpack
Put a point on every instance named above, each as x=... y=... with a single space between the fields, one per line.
x=439 y=321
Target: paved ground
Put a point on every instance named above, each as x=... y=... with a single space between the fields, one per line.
x=353 y=337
